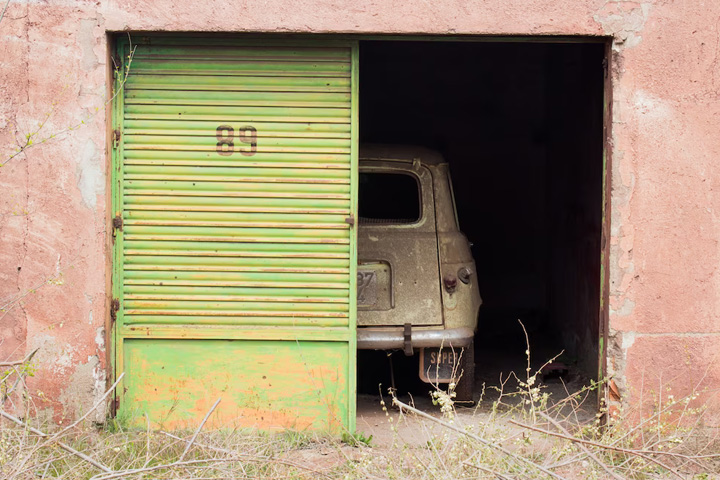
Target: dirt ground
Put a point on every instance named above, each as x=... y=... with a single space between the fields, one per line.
x=493 y=367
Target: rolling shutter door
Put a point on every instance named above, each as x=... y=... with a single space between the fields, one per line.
x=234 y=164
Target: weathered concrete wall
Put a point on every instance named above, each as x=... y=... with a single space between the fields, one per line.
x=665 y=285
x=52 y=200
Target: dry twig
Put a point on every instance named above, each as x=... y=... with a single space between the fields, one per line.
x=582 y=447
x=487 y=470
x=55 y=438
x=477 y=438
x=197 y=431
x=17 y=363
x=62 y=445
x=251 y=458
x=639 y=453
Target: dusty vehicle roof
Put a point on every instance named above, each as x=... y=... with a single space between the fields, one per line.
x=400 y=153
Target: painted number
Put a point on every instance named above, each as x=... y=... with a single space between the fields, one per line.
x=364 y=280
x=226 y=146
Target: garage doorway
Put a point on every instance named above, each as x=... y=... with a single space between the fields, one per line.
x=522 y=127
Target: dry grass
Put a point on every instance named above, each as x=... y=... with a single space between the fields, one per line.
x=505 y=443
x=522 y=434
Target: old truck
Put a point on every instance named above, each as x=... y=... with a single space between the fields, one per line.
x=416 y=280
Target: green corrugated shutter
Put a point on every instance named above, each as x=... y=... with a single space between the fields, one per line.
x=234 y=170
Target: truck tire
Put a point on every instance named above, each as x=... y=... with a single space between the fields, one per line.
x=465 y=386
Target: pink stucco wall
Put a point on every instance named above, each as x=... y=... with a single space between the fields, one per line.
x=664 y=256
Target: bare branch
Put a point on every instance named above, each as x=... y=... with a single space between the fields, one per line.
x=2 y=15
x=94 y=407
x=33 y=139
x=20 y=362
x=487 y=470
x=582 y=447
x=647 y=455
x=197 y=431
x=250 y=458
x=62 y=445
x=55 y=438
x=481 y=440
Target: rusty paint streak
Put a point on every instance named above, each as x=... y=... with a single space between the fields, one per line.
x=204 y=283
x=139 y=85
x=227 y=268
x=210 y=253
x=235 y=118
x=244 y=298
x=236 y=73
x=218 y=178
x=237 y=332
x=251 y=194
x=211 y=208
x=211 y=148
x=197 y=223
x=194 y=163
x=238 y=313
x=232 y=103
x=219 y=238
x=260 y=135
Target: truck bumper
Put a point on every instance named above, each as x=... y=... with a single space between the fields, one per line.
x=369 y=338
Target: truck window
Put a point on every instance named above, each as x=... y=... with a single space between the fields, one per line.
x=388 y=198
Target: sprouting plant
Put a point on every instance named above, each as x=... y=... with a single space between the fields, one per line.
x=445 y=398
x=297 y=438
x=533 y=396
x=37 y=136
x=14 y=376
x=356 y=439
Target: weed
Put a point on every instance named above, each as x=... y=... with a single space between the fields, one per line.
x=296 y=438
x=356 y=439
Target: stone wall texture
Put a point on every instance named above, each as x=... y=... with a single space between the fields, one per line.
x=664 y=299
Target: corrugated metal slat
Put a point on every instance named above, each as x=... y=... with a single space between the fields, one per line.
x=234 y=182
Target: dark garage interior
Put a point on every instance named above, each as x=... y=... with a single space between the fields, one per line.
x=521 y=125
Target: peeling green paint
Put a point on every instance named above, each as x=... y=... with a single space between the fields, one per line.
x=234 y=173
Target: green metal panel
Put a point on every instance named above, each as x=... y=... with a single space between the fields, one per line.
x=250 y=396
x=235 y=174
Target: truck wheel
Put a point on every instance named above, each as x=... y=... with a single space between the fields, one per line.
x=464 y=387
